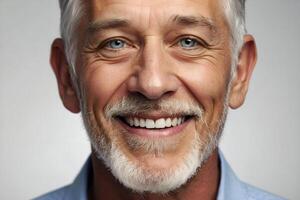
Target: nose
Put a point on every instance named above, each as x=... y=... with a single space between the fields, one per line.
x=154 y=76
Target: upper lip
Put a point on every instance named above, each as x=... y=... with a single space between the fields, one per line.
x=153 y=115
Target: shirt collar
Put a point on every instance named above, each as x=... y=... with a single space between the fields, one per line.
x=79 y=188
x=230 y=186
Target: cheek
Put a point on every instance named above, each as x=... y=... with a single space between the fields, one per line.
x=104 y=83
x=207 y=83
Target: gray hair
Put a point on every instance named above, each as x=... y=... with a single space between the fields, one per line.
x=235 y=13
x=72 y=10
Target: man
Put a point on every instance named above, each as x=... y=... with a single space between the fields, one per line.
x=153 y=80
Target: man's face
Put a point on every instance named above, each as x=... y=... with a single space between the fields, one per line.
x=154 y=79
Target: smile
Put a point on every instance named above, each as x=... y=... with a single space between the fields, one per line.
x=154 y=124
x=158 y=126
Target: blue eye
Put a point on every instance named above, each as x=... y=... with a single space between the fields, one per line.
x=115 y=44
x=188 y=43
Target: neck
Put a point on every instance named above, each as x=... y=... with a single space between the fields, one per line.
x=204 y=185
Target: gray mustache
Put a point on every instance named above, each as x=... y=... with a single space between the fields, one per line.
x=138 y=104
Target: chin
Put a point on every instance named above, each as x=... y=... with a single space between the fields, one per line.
x=152 y=164
x=151 y=172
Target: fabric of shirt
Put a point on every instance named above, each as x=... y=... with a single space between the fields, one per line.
x=231 y=188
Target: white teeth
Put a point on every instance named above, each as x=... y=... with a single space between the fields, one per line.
x=136 y=122
x=151 y=124
x=168 y=122
x=142 y=123
x=131 y=122
x=174 y=122
x=160 y=123
x=179 y=121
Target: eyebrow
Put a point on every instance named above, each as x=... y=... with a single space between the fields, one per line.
x=107 y=24
x=180 y=20
x=195 y=21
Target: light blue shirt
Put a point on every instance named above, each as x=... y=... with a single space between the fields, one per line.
x=231 y=188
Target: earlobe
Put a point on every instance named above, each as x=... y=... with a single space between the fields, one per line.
x=60 y=67
x=241 y=79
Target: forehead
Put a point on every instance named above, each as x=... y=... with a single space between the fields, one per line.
x=145 y=13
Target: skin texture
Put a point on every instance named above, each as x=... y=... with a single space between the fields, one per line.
x=153 y=63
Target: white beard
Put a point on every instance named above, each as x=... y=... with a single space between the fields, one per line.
x=141 y=179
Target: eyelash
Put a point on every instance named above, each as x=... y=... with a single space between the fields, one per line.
x=198 y=40
x=106 y=42
x=199 y=43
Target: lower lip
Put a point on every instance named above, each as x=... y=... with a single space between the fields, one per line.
x=155 y=132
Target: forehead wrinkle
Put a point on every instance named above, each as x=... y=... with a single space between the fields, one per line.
x=107 y=24
x=146 y=20
x=193 y=21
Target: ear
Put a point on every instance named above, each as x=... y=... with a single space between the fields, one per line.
x=60 y=67
x=242 y=75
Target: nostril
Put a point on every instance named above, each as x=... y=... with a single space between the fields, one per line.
x=153 y=83
x=153 y=94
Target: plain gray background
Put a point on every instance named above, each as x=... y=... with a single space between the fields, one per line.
x=43 y=146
